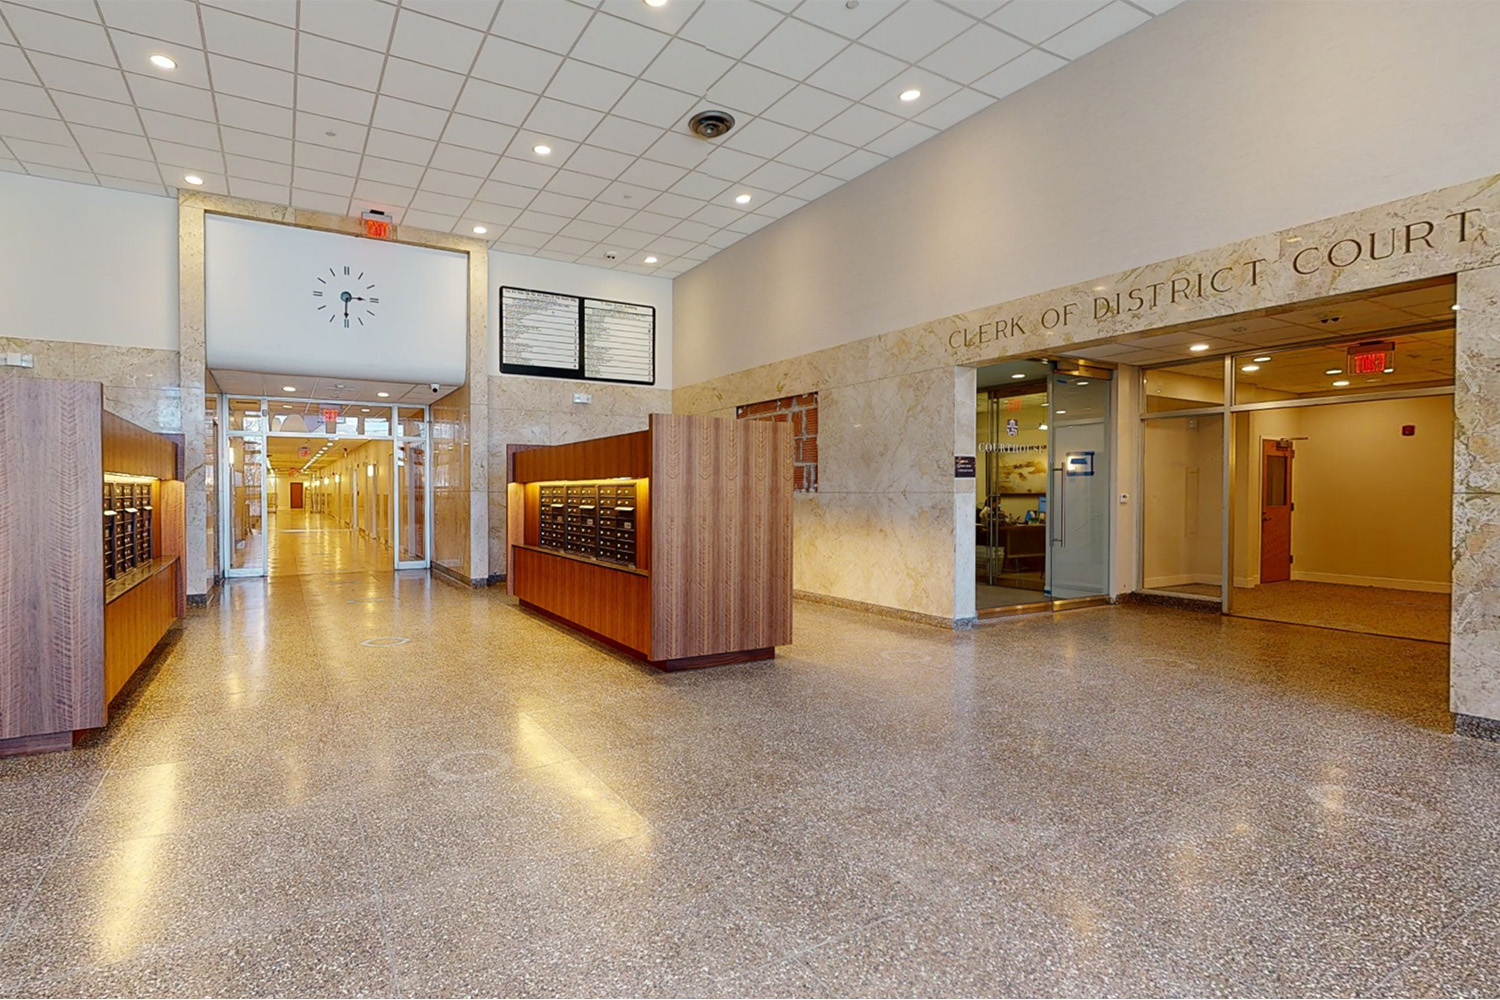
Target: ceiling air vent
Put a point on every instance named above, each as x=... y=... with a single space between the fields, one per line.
x=711 y=124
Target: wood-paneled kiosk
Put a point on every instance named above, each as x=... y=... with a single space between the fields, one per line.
x=92 y=532
x=673 y=544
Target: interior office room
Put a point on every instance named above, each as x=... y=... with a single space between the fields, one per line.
x=743 y=497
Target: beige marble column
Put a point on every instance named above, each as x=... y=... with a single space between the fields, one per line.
x=193 y=366
x=1475 y=650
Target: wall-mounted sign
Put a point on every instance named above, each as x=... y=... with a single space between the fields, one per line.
x=963 y=466
x=1012 y=427
x=1079 y=463
x=567 y=336
x=1373 y=358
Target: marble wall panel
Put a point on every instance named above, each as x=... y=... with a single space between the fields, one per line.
x=888 y=435
x=1475 y=651
x=451 y=491
x=1476 y=398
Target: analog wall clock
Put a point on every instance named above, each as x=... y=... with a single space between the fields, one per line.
x=347 y=296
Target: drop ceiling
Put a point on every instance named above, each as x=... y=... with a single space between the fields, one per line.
x=431 y=109
x=316 y=390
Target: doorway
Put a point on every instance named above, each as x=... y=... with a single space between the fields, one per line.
x=1276 y=510
x=1041 y=523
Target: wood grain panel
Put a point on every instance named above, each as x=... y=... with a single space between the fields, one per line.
x=721 y=524
x=51 y=558
x=136 y=451
x=135 y=622
x=600 y=458
x=611 y=603
x=171 y=532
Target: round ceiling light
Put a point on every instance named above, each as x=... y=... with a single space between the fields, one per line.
x=1340 y=383
x=289 y=388
x=650 y=260
x=480 y=230
x=742 y=199
x=382 y=395
x=1198 y=347
x=1019 y=375
x=542 y=149
x=1262 y=359
x=1334 y=371
x=163 y=62
x=656 y=3
x=910 y=95
x=193 y=179
x=1249 y=368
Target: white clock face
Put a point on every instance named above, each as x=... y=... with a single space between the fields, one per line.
x=346 y=295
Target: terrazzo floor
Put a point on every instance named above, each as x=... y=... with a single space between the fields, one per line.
x=378 y=784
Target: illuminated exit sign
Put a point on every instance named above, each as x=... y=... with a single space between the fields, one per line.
x=1372 y=358
x=377 y=224
x=331 y=420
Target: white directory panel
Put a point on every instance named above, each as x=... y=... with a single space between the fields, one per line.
x=539 y=329
x=292 y=301
x=619 y=341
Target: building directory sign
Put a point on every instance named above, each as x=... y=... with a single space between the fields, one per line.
x=568 y=336
x=619 y=341
x=539 y=329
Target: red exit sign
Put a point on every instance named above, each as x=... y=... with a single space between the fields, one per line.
x=377 y=224
x=331 y=420
x=1372 y=359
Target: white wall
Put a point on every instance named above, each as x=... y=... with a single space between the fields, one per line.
x=1212 y=123
x=87 y=264
x=515 y=270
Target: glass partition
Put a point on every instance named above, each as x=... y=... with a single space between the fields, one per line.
x=411 y=485
x=1182 y=550
x=247 y=539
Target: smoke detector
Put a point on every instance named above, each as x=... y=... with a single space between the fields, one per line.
x=711 y=124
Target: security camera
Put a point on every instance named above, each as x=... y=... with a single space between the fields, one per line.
x=435 y=387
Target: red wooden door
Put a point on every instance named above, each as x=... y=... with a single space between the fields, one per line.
x=1276 y=511
x=296 y=496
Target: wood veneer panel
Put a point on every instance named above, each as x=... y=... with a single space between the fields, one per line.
x=721 y=525
x=51 y=557
x=171 y=531
x=600 y=458
x=131 y=449
x=135 y=622
x=612 y=603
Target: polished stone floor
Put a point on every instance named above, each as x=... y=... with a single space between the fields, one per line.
x=302 y=542
x=378 y=784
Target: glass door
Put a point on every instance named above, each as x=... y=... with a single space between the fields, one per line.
x=1079 y=487
x=410 y=510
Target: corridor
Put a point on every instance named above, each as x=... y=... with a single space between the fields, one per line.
x=303 y=542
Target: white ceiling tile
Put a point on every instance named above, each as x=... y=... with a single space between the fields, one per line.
x=777 y=177
x=652 y=223
x=139 y=187
x=124 y=166
x=334 y=100
x=618 y=44
x=250 y=168
x=187 y=158
x=377 y=168
x=542 y=222
x=172 y=20
x=933 y=89
x=74 y=77
x=749 y=89
x=687 y=66
x=276 y=194
x=762 y=138
x=795 y=49
x=26 y=99
x=43 y=31
x=859 y=125
x=85 y=111
x=815 y=186
x=628 y=195
x=523 y=172
x=435 y=221
x=680 y=149
x=674 y=206
x=584 y=84
x=398 y=146
x=319 y=180
x=1038 y=20
x=175 y=128
x=412 y=81
x=854 y=164
x=814 y=153
x=598 y=162
x=806 y=108
x=747 y=225
x=523 y=239
x=253 y=116
x=1157 y=6
x=915 y=29
x=336 y=161
x=730 y=164
x=503 y=193
x=251 y=80
x=495 y=216
x=456 y=185
x=716 y=216
x=609 y=215
x=13 y=65
x=979 y=50
x=684 y=236
x=667 y=18
x=366 y=23
x=473 y=13
x=331 y=132
x=460 y=160
x=476 y=133
x=495 y=103
x=438 y=43
x=83 y=10
x=653 y=104
x=396 y=115
x=264 y=147
x=955 y=109
x=432 y=201
x=283 y=12
x=515 y=65
x=1096 y=29
x=624 y=136
x=779 y=207
x=62 y=174
x=851 y=22
x=51 y=154
x=648 y=173
x=523 y=147
x=591 y=231
x=976 y=8
x=856 y=71
x=159 y=95
x=249 y=39
x=700 y=186
x=569 y=245
x=730 y=28
x=326 y=59
x=901 y=138
x=381 y=194
x=1026 y=68
x=726 y=237
x=552 y=26
x=563 y=121
x=558 y=204
x=135 y=52
x=576 y=185
x=102 y=140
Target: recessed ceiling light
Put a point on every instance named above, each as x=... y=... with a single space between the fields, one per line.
x=382 y=395
x=364 y=409
x=289 y=388
x=193 y=179
x=286 y=406
x=656 y=3
x=910 y=95
x=542 y=149
x=480 y=230
x=1340 y=383
x=650 y=260
x=1334 y=371
x=743 y=199
x=1061 y=412
x=1019 y=375
x=1041 y=427
x=1198 y=347
x=1263 y=358
x=1389 y=370
x=163 y=62
x=1249 y=368
x=1080 y=383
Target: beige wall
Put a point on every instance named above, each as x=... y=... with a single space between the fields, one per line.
x=1183 y=501
x=1214 y=123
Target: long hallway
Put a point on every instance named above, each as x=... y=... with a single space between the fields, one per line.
x=375 y=783
x=303 y=542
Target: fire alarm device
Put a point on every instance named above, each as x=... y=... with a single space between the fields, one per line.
x=1408 y=430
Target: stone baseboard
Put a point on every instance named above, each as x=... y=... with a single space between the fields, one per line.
x=456 y=578
x=882 y=610
x=1476 y=728
x=1168 y=601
